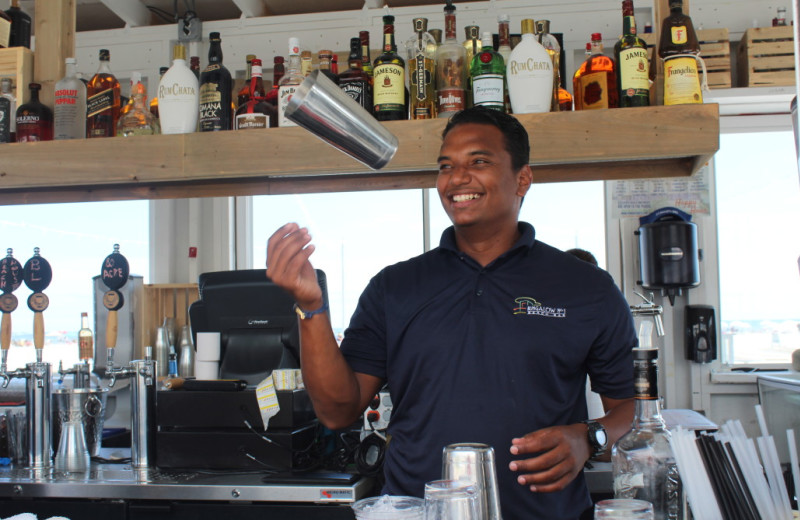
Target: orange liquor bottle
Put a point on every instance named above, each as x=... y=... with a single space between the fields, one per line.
x=102 y=100
x=595 y=82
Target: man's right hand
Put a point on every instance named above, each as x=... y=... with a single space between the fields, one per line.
x=288 y=250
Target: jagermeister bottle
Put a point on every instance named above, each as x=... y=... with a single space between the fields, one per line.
x=678 y=47
x=633 y=67
x=388 y=95
x=421 y=50
x=215 y=90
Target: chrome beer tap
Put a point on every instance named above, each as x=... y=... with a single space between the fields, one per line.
x=80 y=374
x=649 y=308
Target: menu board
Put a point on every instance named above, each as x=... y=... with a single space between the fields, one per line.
x=636 y=198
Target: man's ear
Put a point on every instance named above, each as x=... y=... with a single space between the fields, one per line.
x=524 y=180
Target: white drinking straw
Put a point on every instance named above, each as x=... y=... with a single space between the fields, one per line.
x=762 y=423
x=692 y=471
x=777 y=489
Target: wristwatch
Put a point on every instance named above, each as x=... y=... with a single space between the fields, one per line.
x=304 y=315
x=597 y=437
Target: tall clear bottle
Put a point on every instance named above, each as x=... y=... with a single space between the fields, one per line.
x=550 y=44
x=677 y=47
x=504 y=37
x=452 y=68
x=216 y=91
x=488 y=75
x=8 y=112
x=70 y=105
x=85 y=339
x=421 y=49
x=643 y=466
x=633 y=65
x=102 y=100
x=139 y=120
x=389 y=87
x=289 y=82
x=178 y=96
x=530 y=75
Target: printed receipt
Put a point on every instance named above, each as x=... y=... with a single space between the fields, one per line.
x=267 y=400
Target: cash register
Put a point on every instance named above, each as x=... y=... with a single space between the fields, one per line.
x=221 y=428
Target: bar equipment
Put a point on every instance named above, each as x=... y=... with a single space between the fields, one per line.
x=388 y=507
x=186 y=360
x=649 y=308
x=474 y=462
x=451 y=500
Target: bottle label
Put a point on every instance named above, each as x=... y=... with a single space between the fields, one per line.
x=644 y=381
x=284 y=96
x=85 y=347
x=99 y=103
x=5 y=32
x=358 y=91
x=65 y=114
x=451 y=100
x=5 y=120
x=679 y=34
x=681 y=82
x=250 y=121
x=594 y=91
x=634 y=72
x=210 y=108
x=422 y=76
x=389 y=89
x=28 y=129
x=487 y=90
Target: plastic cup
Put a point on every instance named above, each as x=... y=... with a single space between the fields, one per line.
x=389 y=507
x=451 y=500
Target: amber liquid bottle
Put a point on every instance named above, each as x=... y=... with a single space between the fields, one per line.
x=256 y=112
x=388 y=95
x=354 y=81
x=595 y=82
x=34 y=120
x=244 y=92
x=678 y=47
x=278 y=70
x=633 y=67
x=102 y=100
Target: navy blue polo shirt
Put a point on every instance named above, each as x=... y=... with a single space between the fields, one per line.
x=486 y=354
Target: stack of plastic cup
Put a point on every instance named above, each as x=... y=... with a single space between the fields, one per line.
x=206 y=363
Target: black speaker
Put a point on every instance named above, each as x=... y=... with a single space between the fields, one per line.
x=701 y=333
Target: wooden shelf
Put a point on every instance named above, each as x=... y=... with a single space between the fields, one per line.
x=626 y=143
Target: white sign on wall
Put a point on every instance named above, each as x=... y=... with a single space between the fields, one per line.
x=639 y=197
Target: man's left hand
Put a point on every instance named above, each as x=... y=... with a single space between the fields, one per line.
x=558 y=455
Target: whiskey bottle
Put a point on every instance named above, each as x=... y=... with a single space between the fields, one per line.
x=5 y=29
x=421 y=49
x=244 y=92
x=306 y=63
x=8 y=112
x=34 y=120
x=678 y=47
x=178 y=96
x=437 y=36
x=550 y=44
x=452 y=68
x=70 y=105
x=335 y=64
x=595 y=82
x=366 y=58
x=85 y=339
x=102 y=100
x=278 y=70
x=256 y=112
x=354 y=81
x=642 y=464
x=289 y=82
x=388 y=95
x=487 y=74
x=154 y=99
x=633 y=67
x=20 y=35
x=194 y=65
x=472 y=43
x=529 y=73
x=325 y=63
x=215 y=90
x=139 y=120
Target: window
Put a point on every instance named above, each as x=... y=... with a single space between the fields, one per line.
x=758 y=206
x=74 y=239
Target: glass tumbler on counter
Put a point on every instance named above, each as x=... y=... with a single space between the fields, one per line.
x=623 y=509
x=451 y=500
x=388 y=507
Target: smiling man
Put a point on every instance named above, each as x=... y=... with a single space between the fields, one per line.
x=487 y=338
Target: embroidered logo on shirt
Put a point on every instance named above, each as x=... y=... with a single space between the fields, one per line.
x=529 y=306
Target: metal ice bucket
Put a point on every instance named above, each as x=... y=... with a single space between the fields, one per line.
x=88 y=404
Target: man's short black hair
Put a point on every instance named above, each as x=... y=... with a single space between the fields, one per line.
x=514 y=134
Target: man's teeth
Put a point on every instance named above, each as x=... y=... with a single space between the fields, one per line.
x=465 y=196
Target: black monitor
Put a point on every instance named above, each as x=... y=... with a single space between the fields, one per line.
x=256 y=321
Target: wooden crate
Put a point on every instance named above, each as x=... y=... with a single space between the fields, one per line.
x=17 y=63
x=766 y=57
x=715 y=49
x=166 y=301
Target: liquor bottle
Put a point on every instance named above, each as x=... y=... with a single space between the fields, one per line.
x=85 y=339
x=595 y=82
x=677 y=40
x=488 y=76
x=503 y=37
x=325 y=57
x=8 y=112
x=278 y=70
x=34 y=120
x=529 y=73
x=102 y=100
x=550 y=44
x=289 y=82
x=564 y=100
x=437 y=36
x=472 y=43
x=194 y=65
x=70 y=105
x=421 y=49
x=633 y=68
x=780 y=20
x=452 y=68
x=5 y=29
x=154 y=99
x=20 y=35
x=366 y=59
x=139 y=120
x=643 y=466
x=178 y=96
x=388 y=94
x=335 y=65
x=244 y=92
x=215 y=90
x=306 y=63
x=256 y=112
x=354 y=81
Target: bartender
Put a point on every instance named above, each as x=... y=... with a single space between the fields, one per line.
x=487 y=338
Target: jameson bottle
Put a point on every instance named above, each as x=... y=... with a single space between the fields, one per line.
x=643 y=466
x=178 y=96
x=452 y=68
x=530 y=75
x=20 y=35
x=215 y=90
x=678 y=47
x=354 y=81
x=289 y=82
x=595 y=81
x=70 y=105
x=388 y=95
x=256 y=112
x=8 y=112
x=633 y=66
x=488 y=77
x=102 y=100
x=421 y=48
x=34 y=120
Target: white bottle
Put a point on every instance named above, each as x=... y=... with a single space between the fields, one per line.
x=69 y=112
x=289 y=82
x=529 y=73
x=178 y=96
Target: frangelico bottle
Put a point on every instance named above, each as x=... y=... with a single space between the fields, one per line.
x=421 y=48
x=388 y=95
x=633 y=67
x=678 y=39
x=355 y=82
x=215 y=90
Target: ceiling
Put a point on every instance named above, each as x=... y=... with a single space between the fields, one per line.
x=93 y=15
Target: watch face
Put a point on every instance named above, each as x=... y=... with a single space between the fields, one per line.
x=600 y=435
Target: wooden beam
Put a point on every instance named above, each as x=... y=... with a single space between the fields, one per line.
x=252 y=8
x=54 y=41
x=132 y=12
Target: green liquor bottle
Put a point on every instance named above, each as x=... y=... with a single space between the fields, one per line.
x=389 y=94
x=633 y=67
x=488 y=73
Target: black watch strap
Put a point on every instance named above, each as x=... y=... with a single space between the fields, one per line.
x=597 y=437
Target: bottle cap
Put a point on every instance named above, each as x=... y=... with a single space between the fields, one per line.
x=597 y=37
x=527 y=26
x=179 y=52
x=472 y=31
x=277 y=60
x=388 y=19
x=486 y=39
x=294 y=45
x=543 y=26
x=645 y=354
x=250 y=57
x=213 y=36
x=503 y=18
x=325 y=54
x=420 y=25
x=105 y=55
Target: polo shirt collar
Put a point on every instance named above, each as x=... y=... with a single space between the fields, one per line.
x=525 y=241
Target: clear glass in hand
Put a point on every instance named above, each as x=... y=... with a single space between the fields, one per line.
x=623 y=509
x=451 y=500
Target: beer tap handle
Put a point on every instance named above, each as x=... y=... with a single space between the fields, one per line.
x=659 y=325
x=5 y=331
x=38 y=334
x=111 y=330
